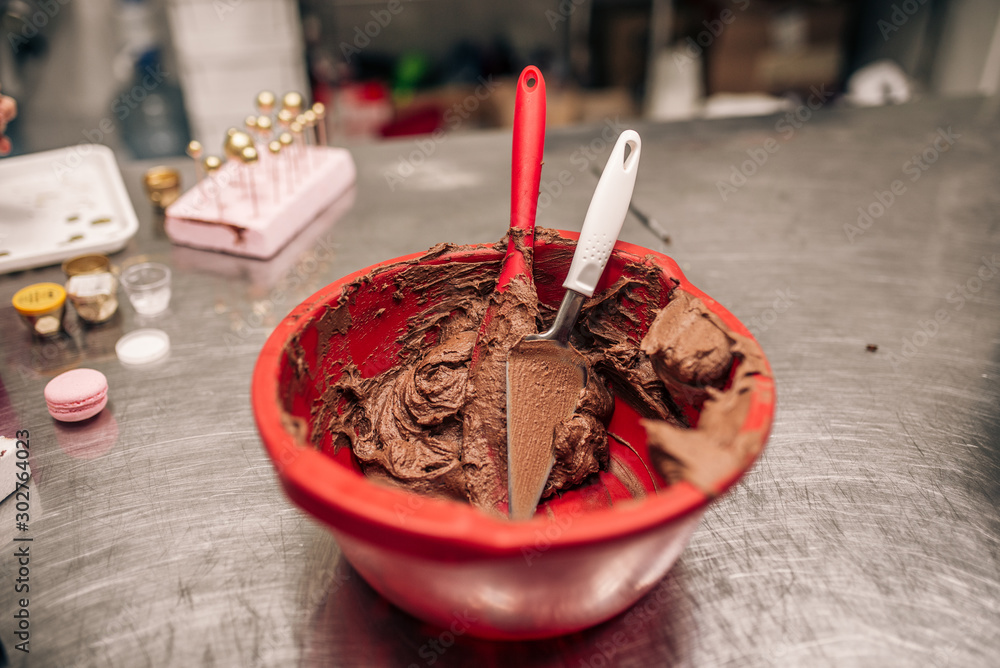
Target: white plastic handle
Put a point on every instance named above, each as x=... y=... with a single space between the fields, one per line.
x=605 y=216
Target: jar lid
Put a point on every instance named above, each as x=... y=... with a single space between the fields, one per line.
x=92 y=263
x=39 y=298
x=163 y=185
x=143 y=346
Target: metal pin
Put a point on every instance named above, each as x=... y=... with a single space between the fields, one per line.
x=212 y=163
x=194 y=150
x=274 y=146
x=299 y=144
x=249 y=158
x=250 y=123
x=303 y=139
x=311 y=120
x=264 y=127
x=320 y=110
x=301 y=120
x=311 y=137
x=235 y=142
x=285 y=118
x=286 y=140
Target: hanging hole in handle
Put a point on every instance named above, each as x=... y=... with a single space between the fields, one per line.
x=631 y=153
x=530 y=83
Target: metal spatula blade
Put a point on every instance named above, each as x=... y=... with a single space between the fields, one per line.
x=545 y=374
x=540 y=378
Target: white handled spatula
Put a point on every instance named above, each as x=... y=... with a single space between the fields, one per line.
x=545 y=374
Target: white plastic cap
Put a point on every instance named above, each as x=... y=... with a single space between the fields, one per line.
x=143 y=346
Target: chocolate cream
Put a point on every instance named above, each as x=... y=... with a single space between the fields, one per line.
x=436 y=423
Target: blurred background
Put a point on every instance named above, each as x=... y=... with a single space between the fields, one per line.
x=145 y=76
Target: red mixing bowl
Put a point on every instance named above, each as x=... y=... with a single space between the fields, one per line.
x=579 y=562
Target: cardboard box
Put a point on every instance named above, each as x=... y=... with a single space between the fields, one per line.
x=763 y=49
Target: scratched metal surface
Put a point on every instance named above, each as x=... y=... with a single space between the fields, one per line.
x=867 y=535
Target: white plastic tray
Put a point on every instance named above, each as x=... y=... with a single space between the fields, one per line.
x=61 y=203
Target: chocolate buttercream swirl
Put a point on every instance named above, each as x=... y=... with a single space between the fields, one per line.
x=432 y=426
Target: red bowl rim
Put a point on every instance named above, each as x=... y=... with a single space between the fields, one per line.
x=450 y=530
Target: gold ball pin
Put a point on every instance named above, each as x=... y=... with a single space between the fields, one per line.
x=265 y=101
x=249 y=155
x=212 y=163
x=292 y=101
x=236 y=142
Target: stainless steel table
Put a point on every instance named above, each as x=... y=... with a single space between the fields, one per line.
x=868 y=534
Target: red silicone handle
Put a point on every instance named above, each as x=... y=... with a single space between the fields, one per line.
x=525 y=169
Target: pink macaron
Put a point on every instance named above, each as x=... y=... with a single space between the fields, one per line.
x=76 y=395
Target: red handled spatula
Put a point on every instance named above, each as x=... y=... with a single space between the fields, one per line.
x=484 y=421
x=545 y=374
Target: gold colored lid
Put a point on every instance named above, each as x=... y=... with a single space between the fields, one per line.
x=160 y=178
x=91 y=263
x=39 y=298
x=163 y=185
